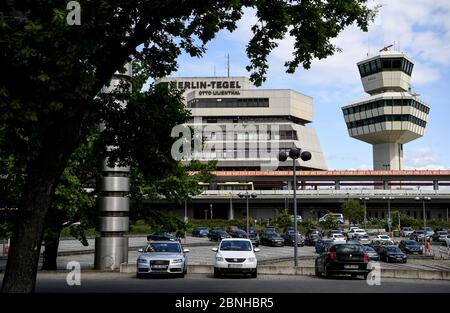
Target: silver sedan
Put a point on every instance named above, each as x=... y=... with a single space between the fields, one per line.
x=162 y=257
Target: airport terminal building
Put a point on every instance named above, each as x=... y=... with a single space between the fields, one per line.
x=244 y=128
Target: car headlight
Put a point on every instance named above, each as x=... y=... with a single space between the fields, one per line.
x=219 y=259
x=177 y=260
x=142 y=261
x=252 y=259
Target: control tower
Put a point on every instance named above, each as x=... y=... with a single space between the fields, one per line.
x=391 y=116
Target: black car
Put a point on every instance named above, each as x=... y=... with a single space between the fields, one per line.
x=372 y=253
x=343 y=259
x=200 y=232
x=312 y=237
x=289 y=238
x=218 y=234
x=239 y=233
x=322 y=244
x=411 y=247
x=272 y=239
x=253 y=236
x=392 y=254
x=162 y=236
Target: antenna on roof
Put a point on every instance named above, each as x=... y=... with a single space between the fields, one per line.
x=228 y=64
x=214 y=70
x=387 y=47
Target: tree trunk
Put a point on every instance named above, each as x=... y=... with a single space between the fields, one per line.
x=43 y=175
x=51 y=240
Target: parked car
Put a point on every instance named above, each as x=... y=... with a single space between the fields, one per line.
x=439 y=235
x=253 y=236
x=218 y=235
x=339 y=217
x=391 y=253
x=231 y=229
x=272 y=239
x=239 y=233
x=406 y=231
x=373 y=254
x=162 y=236
x=289 y=238
x=343 y=259
x=383 y=239
x=269 y=229
x=200 y=232
x=411 y=247
x=447 y=240
x=338 y=238
x=355 y=232
x=299 y=218
x=334 y=231
x=323 y=244
x=428 y=230
x=312 y=237
x=162 y=257
x=363 y=239
x=419 y=235
x=235 y=256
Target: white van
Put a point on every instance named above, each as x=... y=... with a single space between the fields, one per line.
x=338 y=216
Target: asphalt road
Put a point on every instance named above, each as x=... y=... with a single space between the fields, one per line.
x=92 y=282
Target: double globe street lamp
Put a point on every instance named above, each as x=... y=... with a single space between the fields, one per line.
x=246 y=195
x=294 y=154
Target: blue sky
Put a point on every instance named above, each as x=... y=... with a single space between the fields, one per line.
x=419 y=28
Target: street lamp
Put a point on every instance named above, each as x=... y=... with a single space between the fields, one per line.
x=294 y=154
x=389 y=213
x=423 y=198
x=246 y=196
x=365 y=211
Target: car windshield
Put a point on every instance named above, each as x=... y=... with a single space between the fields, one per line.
x=369 y=249
x=236 y=245
x=384 y=237
x=442 y=232
x=419 y=232
x=412 y=243
x=164 y=247
x=393 y=249
x=407 y=228
x=348 y=248
x=338 y=236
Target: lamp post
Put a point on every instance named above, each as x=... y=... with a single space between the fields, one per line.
x=365 y=211
x=294 y=154
x=423 y=198
x=389 y=213
x=246 y=196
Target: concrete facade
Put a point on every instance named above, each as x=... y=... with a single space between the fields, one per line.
x=391 y=116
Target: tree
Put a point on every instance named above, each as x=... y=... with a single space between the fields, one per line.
x=283 y=220
x=62 y=69
x=353 y=211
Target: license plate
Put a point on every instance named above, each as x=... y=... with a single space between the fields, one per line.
x=399 y=259
x=159 y=266
x=350 y=266
x=234 y=265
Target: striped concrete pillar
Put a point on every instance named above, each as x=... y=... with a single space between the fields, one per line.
x=111 y=248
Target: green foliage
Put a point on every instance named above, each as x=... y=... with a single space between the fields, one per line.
x=161 y=221
x=283 y=220
x=330 y=223
x=353 y=211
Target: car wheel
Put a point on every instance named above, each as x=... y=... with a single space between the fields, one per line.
x=326 y=272
x=353 y=275
x=404 y=261
x=216 y=273
x=365 y=275
x=316 y=270
x=254 y=274
x=139 y=275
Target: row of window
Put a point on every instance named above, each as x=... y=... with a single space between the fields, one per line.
x=229 y=103
x=385 y=64
x=267 y=135
x=386 y=103
x=387 y=118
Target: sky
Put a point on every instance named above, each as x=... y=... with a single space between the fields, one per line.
x=419 y=28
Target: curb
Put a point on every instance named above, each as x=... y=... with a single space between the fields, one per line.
x=309 y=271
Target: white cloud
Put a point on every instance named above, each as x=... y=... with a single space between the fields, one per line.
x=420 y=28
x=423 y=159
